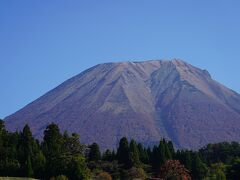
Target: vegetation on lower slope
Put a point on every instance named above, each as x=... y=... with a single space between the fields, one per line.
x=16 y=178
x=61 y=156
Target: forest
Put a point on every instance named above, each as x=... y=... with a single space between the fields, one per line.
x=61 y=156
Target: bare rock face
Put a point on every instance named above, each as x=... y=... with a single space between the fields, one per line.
x=141 y=100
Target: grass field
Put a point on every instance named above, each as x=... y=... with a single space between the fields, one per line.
x=15 y=178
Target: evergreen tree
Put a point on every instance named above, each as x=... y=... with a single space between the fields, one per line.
x=94 y=154
x=78 y=169
x=155 y=159
x=107 y=156
x=2 y=126
x=39 y=163
x=217 y=171
x=134 y=155
x=199 y=169
x=149 y=154
x=114 y=155
x=143 y=154
x=52 y=149
x=123 y=155
x=71 y=144
x=52 y=140
x=29 y=170
x=162 y=151
x=2 y=134
x=26 y=144
x=233 y=171
x=188 y=160
x=171 y=148
x=168 y=154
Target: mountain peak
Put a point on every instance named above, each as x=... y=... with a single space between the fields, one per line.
x=145 y=101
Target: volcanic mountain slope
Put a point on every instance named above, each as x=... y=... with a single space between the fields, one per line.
x=141 y=100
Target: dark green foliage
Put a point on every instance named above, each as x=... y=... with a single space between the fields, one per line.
x=185 y=157
x=224 y=152
x=26 y=153
x=52 y=149
x=62 y=156
x=52 y=141
x=39 y=162
x=143 y=154
x=134 y=154
x=160 y=154
x=123 y=153
x=217 y=171
x=199 y=169
x=77 y=168
x=22 y=155
x=9 y=163
x=171 y=148
x=108 y=155
x=94 y=154
x=233 y=171
x=155 y=159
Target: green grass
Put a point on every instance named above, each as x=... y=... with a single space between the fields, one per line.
x=15 y=178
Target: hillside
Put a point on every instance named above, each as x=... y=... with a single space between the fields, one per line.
x=141 y=100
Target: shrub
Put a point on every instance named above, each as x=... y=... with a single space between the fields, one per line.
x=173 y=169
x=104 y=176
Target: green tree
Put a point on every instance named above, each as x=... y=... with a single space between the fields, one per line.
x=171 y=148
x=107 y=156
x=233 y=171
x=26 y=144
x=199 y=169
x=123 y=155
x=39 y=163
x=29 y=169
x=217 y=171
x=52 y=148
x=78 y=169
x=134 y=155
x=94 y=153
x=72 y=144
x=155 y=159
x=2 y=136
x=143 y=154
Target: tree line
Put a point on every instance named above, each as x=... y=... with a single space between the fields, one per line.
x=62 y=156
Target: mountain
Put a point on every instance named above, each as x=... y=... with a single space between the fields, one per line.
x=141 y=100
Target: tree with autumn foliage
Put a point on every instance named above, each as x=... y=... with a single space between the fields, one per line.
x=173 y=169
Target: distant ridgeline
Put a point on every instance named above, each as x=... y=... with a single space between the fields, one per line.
x=62 y=156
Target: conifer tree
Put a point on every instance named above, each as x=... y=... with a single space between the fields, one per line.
x=123 y=155
x=94 y=154
x=52 y=148
x=107 y=156
x=134 y=155
x=155 y=159
x=26 y=151
x=143 y=154
x=162 y=151
x=171 y=148
x=199 y=169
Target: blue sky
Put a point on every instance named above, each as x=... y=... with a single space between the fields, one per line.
x=43 y=43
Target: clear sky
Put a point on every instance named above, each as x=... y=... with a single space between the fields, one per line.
x=43 y=43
